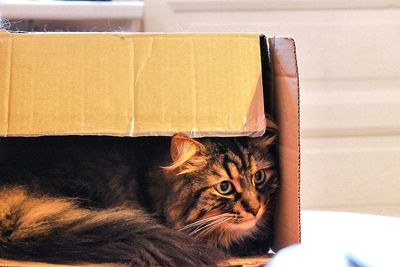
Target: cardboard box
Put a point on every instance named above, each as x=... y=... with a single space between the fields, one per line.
x=130 y=84
x=124 y=84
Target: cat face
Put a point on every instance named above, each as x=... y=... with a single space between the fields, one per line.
x=222 y=188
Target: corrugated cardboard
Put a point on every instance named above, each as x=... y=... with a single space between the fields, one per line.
x=130 y=84
x=286 y=111
x=282 y=102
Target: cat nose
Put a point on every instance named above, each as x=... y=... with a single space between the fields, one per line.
x=251 y=207
x=255 y=210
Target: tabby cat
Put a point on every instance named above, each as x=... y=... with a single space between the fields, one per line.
x=103 y=199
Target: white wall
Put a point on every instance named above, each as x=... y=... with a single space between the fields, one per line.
x=48 y=15
x=349 y=63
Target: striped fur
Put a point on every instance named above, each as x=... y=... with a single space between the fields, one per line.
x=140 y=201
x=195 y=207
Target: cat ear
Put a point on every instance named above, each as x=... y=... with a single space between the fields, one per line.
x=270 y=136
x=186 y=153
x=183 y=147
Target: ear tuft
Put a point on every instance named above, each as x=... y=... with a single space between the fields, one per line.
x=185 y=150
x=269 y=137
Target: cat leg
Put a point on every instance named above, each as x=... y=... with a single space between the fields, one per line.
x=56 y=230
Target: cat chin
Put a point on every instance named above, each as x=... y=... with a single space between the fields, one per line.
x=248 y=225
x=240 y=231
x=243 y=228
x=237 y=232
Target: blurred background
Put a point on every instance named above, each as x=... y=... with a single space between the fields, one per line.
x=349 y=64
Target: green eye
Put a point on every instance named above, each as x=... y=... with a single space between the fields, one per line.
x=259 y=178
x=225 y=188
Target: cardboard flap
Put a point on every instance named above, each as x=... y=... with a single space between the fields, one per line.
x=286 y=97
x=5 y=70
x=130 y=84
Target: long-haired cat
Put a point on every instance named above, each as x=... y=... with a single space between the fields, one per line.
x=138 y=201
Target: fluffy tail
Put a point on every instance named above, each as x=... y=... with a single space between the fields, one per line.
x=56 y=230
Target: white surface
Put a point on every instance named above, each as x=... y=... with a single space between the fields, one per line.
x=305 y=256
x=75 y=10
x=349 y=68
x=370 y=238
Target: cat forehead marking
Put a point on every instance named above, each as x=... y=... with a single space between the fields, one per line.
x=234 y=175
x=232 y=170
x=237 y=184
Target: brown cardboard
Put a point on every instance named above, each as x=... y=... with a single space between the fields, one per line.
x=287 y=113
x=283 y=105
x=126 y=84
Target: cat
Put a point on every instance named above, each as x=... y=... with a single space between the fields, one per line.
x=138 y=201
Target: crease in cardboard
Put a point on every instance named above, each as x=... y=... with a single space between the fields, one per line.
x=194 y=90
x=9 y=82
x=143 y=65
x=132 y=90
x=84 y=101
x=259 y=120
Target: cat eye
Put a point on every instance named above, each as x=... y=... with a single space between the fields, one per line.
x=259 y=178
x=224 y=188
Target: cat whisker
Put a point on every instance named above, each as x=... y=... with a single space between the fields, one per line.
x=226 y=228
x=207 y=228
x=199 y=222
x=205 y=232
x=203 y=227
x=200 y=227
x=203 y=221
